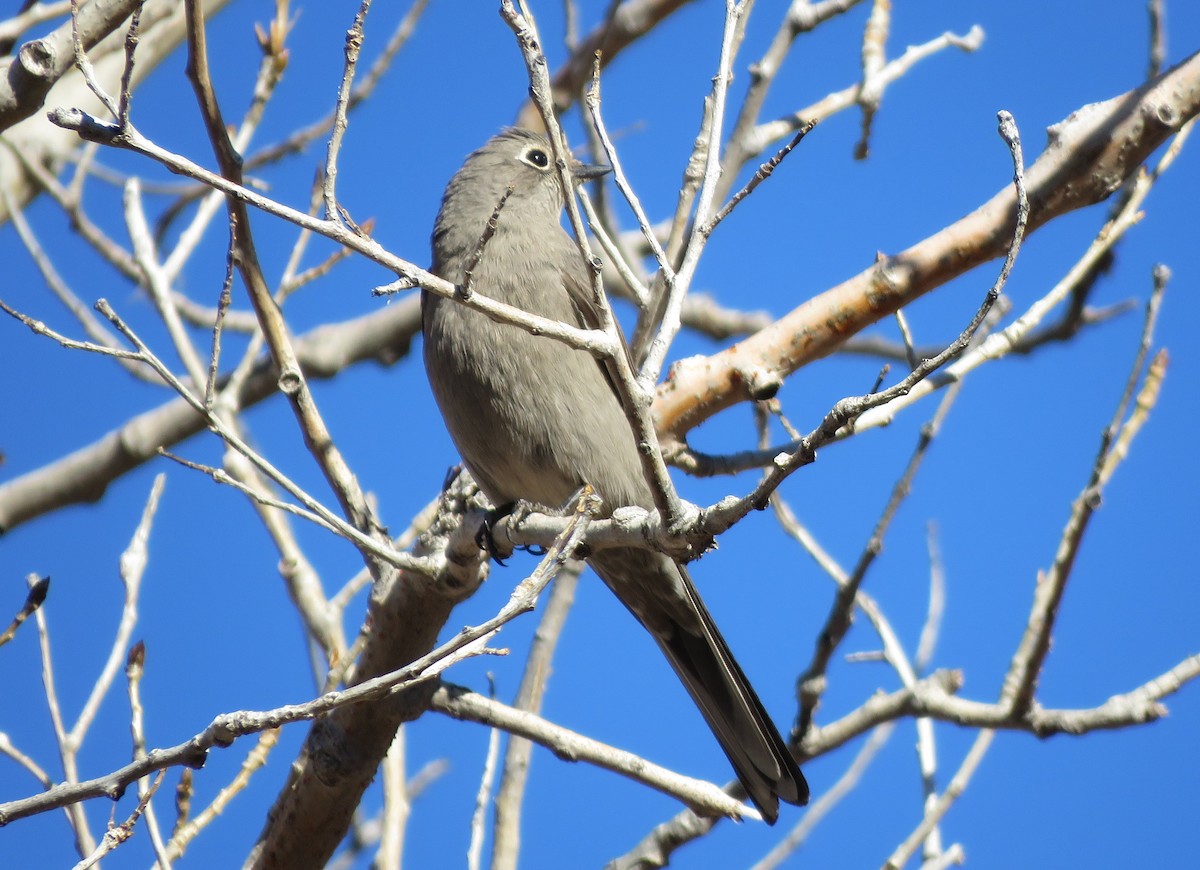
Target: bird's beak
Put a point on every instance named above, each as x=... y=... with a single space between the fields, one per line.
x=588 y=171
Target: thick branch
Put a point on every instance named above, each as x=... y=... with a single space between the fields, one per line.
x=26 y=79
x=36 y=139
x=344 y=749
x=1090 y=155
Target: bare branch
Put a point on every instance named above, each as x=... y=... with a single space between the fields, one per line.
x=1089 y=155
x=760 y=175
x=870 y=90
x=1158 y=38
x=366 y=86
x=592 y=101
x=820 y=808
x=189 y=828
x=83 y=476
x=750 y=140
x=26 y=80
x=135 y=668
x=354 y=41
x=666 y=320
x=116 y=835
x=1020 y=683
x=957 y=786
x=702 y=796
x=344 y=749
x=133 y=568
x=483 y=795
x=506 y=831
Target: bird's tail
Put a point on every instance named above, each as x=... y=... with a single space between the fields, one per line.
x=661 y=595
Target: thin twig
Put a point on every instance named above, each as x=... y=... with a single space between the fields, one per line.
x=870 y=90
x=382 y=336
x=592 y=102
x=354 y=41
x=612 y=249
x=132 y=569
x=937 y=604
x=135 y=667
x=226 y=728
x=118 y=834
x=157 y=283
x=798 y=18
x=466 y=289
x=224 y=301
x=397 y=805
x=767 y=132
x=367 y=83
x=144 y=354
x=506 y=829
x=322 y=621
x=933 y=696
x=484 y=793
x=70 y=200
x=9 y=749
x=126 y=92
x=669 y=324
x=188 y=828
x=270 y=72
x=722 y=516
x=85 y=66
x=760 y=175
x=59 y=287
x=935 y=814
x=1020 y=683
x=67 y=752
x=1015 y=336
x=830 y=797
x=910 y=353
x=592 y=340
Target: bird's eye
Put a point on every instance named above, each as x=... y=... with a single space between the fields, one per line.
x=537 y=157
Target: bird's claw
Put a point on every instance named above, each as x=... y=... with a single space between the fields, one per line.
x=485 y=538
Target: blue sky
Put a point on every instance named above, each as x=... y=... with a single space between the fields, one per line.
x=998 y=484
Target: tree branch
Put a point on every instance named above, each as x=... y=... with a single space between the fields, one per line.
x=1090 y=155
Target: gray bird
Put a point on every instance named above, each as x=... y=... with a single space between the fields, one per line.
x=534 y=420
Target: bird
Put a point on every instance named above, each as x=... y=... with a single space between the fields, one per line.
x=534 y=420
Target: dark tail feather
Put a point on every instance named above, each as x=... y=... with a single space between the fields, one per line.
x=693 y=645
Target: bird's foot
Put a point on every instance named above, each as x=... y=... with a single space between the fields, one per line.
x=485 y=538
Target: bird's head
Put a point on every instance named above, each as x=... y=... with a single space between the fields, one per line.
x=515 y=172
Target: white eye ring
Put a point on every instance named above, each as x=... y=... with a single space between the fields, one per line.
x=536 y=157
